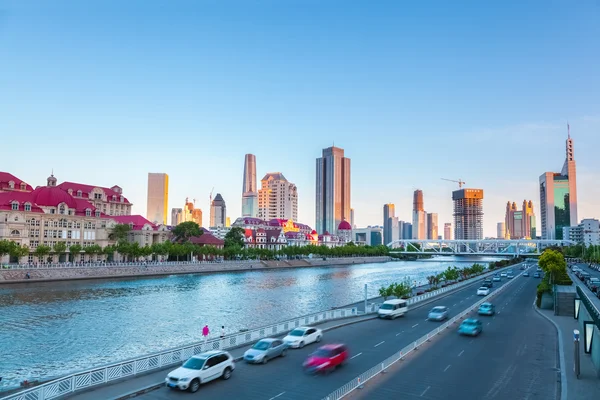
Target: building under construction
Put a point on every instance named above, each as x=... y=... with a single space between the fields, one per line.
x=468 y=214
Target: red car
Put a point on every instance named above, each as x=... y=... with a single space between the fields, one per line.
x=326 y=358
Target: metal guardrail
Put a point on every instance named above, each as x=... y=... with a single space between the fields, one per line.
x=129 y=368
x=359 y=381
x=115 y=264
x=591 y=308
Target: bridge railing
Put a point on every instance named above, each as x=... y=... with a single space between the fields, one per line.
x=113 y=264
x=363 y=378
x=104 y=374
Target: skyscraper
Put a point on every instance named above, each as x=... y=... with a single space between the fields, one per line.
x=388 y=213
x=432 y=226
x=558 y=196
x=277 y=198
x=158 y=198
x=332 y=190
x=520 y=224
x=447 y=231
x=249 y=192
x=501 y=230
x=419 y=220
x=176 y=216
x=352 y=218
x=191 y=213
x=468 y=214
x=218 y=212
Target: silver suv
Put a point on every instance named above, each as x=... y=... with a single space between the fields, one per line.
x=200 y=369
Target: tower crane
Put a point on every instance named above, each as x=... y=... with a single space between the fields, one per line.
x=460 y=182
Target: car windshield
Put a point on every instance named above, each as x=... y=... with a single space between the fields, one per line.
x=262 y=345
x=482 y=288
x=484 y=306
x=438 y=309
x=322 y=353
x=386 y=306
x=297 y=332
x=469 y=323
x=194 y=363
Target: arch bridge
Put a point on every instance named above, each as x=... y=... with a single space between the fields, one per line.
x=493 y=247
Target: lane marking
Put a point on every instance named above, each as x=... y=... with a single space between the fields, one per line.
x=399 y=333
x=425 y=391
x=447 y=367
x=460 y=354
x=454 y=305
x=355 y=356
x=415 y=325
x=380 y=343
x=274 y=397
x=488 y=323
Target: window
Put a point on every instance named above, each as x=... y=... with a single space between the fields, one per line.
x=23 y=186
x=27 y=207
x=15 y=206
x=97 y=213
x=61 y=209
x=15 y=233
x=114 y=197
x=79 y=194
x=88 y=212
x=52 y=211
x=11 y=184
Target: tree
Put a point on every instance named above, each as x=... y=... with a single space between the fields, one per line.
x=553 y=264
x=60 y=248
x=119 y=232
x=74 y=250
x=185 y=230
x=235 y=237
x=403 y=289
x=41 y=251
x=109 y=252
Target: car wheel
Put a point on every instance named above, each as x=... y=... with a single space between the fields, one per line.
x=195 y=385
x=227 y=373
x=318 y=339
x=301 y=345
x=283 y=353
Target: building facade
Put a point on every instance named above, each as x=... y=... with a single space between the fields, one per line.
x=501 y=231
x=109 y=201
x=558 y=197
x=218 y=212
x=468 y=214
x=419 y=217
x=332 y=190
x=277 y=198
x=352 y=218
x=520 y=224
x=432 y=226
x=158 y=198
x=586 y=233
x=447 y=231
x=249 y=188
x=371 y=235
x=191 y=213
x=176 y=216
x=389 y=213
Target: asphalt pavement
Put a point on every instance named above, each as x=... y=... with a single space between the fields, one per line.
x=515 y=357
x=369 y=343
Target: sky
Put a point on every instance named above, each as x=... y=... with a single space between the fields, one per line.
x=103 y=92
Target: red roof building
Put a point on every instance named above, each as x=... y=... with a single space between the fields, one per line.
x=272 y=239
x=9 y=182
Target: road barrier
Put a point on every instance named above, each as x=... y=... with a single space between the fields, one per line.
x=362 y=379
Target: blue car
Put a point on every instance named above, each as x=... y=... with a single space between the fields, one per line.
x=470 y=327
x=486 y=309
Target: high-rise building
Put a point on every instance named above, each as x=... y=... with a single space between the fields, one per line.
x=586 y=233
x=388 y=213
x=419 y=219
x=176 y=216
x=332 y=190
x=158 y=198
x=558 y=197
x=501 y=230
x=249 y=192
x=227 y=222
x=447 y=231
x=191 y=213
x=352 y=218
x=218 y=212
x=468 y=214
x=277 y=198
x=432 y=226
x=520 y=224
x=407 y=230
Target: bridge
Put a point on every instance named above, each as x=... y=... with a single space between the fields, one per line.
x=494 y=247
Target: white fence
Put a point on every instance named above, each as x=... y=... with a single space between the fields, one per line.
x=359 y=381
x=129 y=368
x=114 y=264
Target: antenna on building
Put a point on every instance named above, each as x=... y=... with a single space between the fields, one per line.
x=568 y=130
x=194 y=201
x=210 y=197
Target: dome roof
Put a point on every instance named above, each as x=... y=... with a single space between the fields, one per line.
x=313 y=232
x=344 y=226
x=52 y=197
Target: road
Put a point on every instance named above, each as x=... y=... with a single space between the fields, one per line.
x=514 y=358
x=369 y=343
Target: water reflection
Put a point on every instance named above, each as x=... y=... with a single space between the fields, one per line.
x=50 y=329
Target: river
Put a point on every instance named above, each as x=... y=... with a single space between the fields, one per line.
x=55 y=328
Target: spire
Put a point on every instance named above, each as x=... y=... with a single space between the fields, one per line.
x=568 y=131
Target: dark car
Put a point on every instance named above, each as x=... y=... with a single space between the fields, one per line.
x=487 y=283
x=326 y=358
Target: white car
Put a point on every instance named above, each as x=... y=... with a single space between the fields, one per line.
x=503 y=275
x=302 y=336
x=200 y=369
x=483 y=291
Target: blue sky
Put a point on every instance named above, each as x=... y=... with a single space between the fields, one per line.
x=414 y=91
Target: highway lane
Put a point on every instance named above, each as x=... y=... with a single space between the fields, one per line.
x=514 y=358
x=369 y=343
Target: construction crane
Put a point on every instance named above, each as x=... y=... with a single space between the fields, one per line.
x=211 y=192
x=460 y=182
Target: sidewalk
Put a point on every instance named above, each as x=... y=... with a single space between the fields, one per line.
x=134 y=385
x=588 y=384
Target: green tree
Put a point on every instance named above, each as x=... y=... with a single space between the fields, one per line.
x=119 y=232
x=235 y=237
x=553 y=264
x=109 y=252
x=403 y=289
x=185 y=230
x=60 y=248
x=41 y=251
x=74 y=251
x=5 y=247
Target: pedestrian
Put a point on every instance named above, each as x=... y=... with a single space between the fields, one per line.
x=222 y=331
x=205 y=332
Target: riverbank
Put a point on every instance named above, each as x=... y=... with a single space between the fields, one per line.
x=9 y=276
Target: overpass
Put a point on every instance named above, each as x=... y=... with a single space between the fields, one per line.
x=494 y=247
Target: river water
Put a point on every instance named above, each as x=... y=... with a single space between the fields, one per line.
x=55 y=328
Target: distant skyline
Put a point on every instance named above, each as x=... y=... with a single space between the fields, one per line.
x=412 y=93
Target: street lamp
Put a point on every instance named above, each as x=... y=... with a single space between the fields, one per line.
x=576 y=353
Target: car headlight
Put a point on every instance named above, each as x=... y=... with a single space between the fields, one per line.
x=325 y=364
x=184 y=379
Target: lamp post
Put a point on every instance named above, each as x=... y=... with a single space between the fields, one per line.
x=576 y=353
